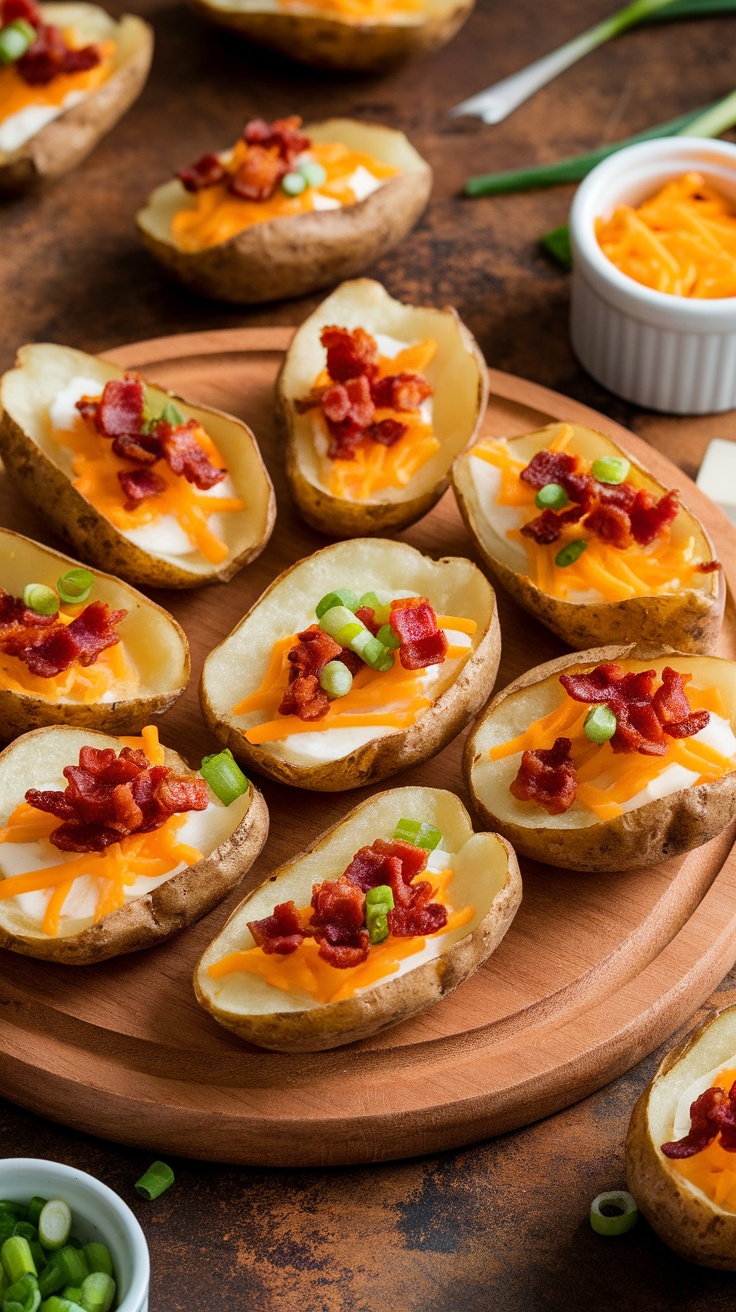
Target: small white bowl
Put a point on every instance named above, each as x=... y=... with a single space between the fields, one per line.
x=99 y=1215
x=665 y=352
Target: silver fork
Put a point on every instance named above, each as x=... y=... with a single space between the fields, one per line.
x=500 y=100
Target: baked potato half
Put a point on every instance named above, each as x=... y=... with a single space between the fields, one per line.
x=623 y=806
x=122 y=688
x=298 y=1001
x=348 y=38
x=68 y=472
x=379 y=727
x=666 y=591
x=59 y=905
x=293 y=254
x=689 y=1201
x=436 y=430
x=43 y=145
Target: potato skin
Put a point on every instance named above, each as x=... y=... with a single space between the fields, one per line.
x=331 y=43
x=645 y=836
x=173 y=905
x=67 y=140
x=682 y=1217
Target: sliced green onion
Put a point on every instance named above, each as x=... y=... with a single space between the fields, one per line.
x=18 y=1210
x=382 y=895
x=224 y=776
x=613 y=1213
x=73 y=1263
x=418 y=834
x=56 y=1304
x=294 y=184
x=17 y=1258
x=557 y=244
x=342 y=597
x=55 y=1224
x=172 y=415
x=75 y=586
x=429 y=838
x=342 y=625
x=25 y=1229
x=36 y=596
x=98 y=1258
x=611 y=469
x=551 y=497
x=73 y=1293
x=600 y=725
x=15 y=40
x=98 y=1292
x=38 y=1255
x=381 y=609
x=7 y=1226
x=387 y=636
x=23 y=1295
x=157 y=1179
x=52 y=1278
x=378 y=902
x=314 y=174
x=572 y=552
x=34 y=1210
x=336 y=679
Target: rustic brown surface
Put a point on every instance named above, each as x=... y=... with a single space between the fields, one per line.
x=502 y=1225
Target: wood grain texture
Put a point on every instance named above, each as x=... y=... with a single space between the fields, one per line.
x=594 y=973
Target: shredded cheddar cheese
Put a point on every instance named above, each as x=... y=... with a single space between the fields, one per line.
x=357 y=11
x=86 y=684
x=713 y=1169
x=681 y=241
x=16 y=94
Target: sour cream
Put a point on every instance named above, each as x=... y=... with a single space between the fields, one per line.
x=17 y=129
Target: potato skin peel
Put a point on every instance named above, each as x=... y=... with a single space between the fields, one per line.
x=648 y=835
x=332 y=1024
x=68 y=139
x=299 y=253
x=333 y=43
x=337 y=516
x=683 y=1217
x=688 y=621
x=169 y=908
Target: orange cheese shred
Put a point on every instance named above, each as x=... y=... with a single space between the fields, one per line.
x=16 y=94
x=713 y=1169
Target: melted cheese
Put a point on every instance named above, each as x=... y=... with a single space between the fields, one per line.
x=25 y=110
x=713 y=1170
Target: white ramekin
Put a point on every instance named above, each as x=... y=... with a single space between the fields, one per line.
x=99 y=1215
x=664 y=352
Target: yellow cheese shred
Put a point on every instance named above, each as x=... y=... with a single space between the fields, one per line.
x=713 y=1169
x=16 y=94
x=87 y=684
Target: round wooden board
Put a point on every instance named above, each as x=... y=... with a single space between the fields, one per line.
x=594 y=973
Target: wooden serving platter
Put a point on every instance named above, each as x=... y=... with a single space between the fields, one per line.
x=595 y=971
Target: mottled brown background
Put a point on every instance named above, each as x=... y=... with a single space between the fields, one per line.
x=502 y=1225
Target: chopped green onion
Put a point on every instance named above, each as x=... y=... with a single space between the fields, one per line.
x=551 y=497
x=34 y=1210
x=55 y=1224
x=7 y=1226
x=171 y=415
x=613 y=1213
x=38 y=1255
x=75 y=586
x=336 y=679
x=17 y=1258
x=98 y=1258
x=418 y=834
x=98 y=1292
x=56 y=1304
x=387 y=636
x=342 y=625
x=224 y=776
x=572 y=552
x=382 y=895
x=611 y=469
x=36 y=596
x=600 y=725
x=342 y=597
x=314 y=174
x=557 y=244
x=52 y=1278
x=429 y=838
x=23 y=1295
x=73 y=1293
x=73 y=1263
x=18 y=1210
x=294 y=184
x=378 y=902
x=156 y=1181
x=15 y=40
x=381 y=609
x=25 y=1229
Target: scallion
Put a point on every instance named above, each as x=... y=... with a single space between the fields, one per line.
x=613 y=1213
x=569 y=554
x=15 y=40
x=75 y=586
x=73 y=1263
x=600 y=725
x=157 y=1179
x=17 y=1258
x=36 y=596
x=341 y=597
x=378 y=902
x=381 y=609
x=350 y=632
x=336 y=679
x=418 y=833
x=551 y=497
x=98 y=1258
x=557 y=244
x=611 y=469
x=23 y=1295
x=294 y=184
x=34 y=1210
x=224 y=776
x=97 y=1292
x=313 y=172
x=55 y=1224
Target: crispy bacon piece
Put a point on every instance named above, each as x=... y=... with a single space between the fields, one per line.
x=282 y=135
x=394 y=863
x=349 y=400
x=184 y=455
x=423 y=643
x=207 y=171
x=549 y=467
x=272 y=151
x=386 y=431
x=12 y=10
x=400 y=391
x=547 y=777
x=109 y=797
x=20 y=627
x=349 y=354
x=281 y=932
x=367 y=616
x=50 y=56
x=80 y=642
x=712 y=1113
x=303 y=695
x=409 y=922
x=338 y=922
x=612 y=525
x=709 y=566
x=258 y=175
x=119 y=410
x=139 y=484
x=547 y=527
x=643 y=717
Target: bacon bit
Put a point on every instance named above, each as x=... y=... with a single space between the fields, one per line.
x=549 y=467
x=547 y=527
x=271 y=152
x=350 y=400
x=643 y=718
x=184 y=455
x=387 y=431
x=20 y=627
x=81 y=641
x=49 y=56
x=338 y=922
x=283 y=135
x=304 y=696
x=12 y=10
x=547 y=777
x=109 y=797
x=400 y=391
x=349 y=354
x=138 y=484
x=258 y=175
x=709 y=566
x=281 y=932
x=207 y=171
x=713 y=1112
x=423 y=643
x=649 y=518
x=408 y=923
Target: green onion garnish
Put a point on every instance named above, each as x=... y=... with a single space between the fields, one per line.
x=73 y=1293
x=294 y=184
x=72 y=1262
x=157 y=1179
x=171 y=415
x=17 y=1258
x=55 y=1224
x=336 y=679
x=600 y=725
x=15 y=40
x=378 y=902
x=418 y=834
x=75 y=586
x=224 y=776
x=97 y=1292
x=557 y=244
x=98 y=1258
x=345 y=628
x=52 y=1278
x=387 y=636
x=342 y=597
x=36 y=596
x=34 y=1210
x=611 y=469
x=381 y=609
x=551 y=497
x=613 y=1213
x=23 y=1296
x=572 y=552
x=314 y=174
